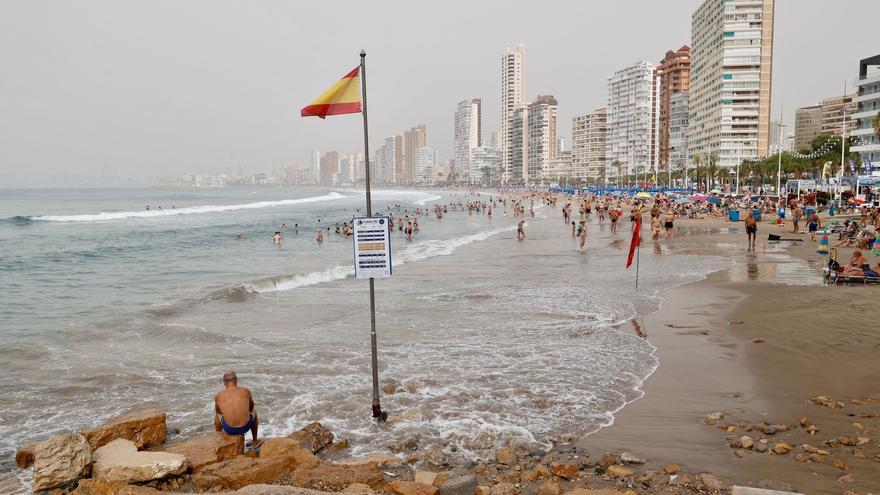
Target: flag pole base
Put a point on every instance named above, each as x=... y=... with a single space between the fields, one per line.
x=378 y=414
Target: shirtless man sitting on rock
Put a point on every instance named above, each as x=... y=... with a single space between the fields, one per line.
x=234 y=409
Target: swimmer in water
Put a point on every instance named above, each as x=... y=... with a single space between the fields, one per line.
x=277 y=238
x=238 y=236
x=320 y=236
x=520 y=230
x=582 y=235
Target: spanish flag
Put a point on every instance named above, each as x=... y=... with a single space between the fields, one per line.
x=342 y=97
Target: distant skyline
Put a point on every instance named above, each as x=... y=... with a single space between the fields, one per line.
x=158 y=89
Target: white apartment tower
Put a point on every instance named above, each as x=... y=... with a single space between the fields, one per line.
x=628 y=148
x=467 y=137
x=731 y=71
x=513 y=83
x=541 y=132
x=588 y=141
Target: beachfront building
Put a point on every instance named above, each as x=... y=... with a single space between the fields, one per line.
x=392 y=161
x=517 y=147
x=866 y=142
x=425 y=159
x=513 y=83
x=559 y=170
x=413 y=139
x=807 y=126
x=629 y=121
x=541 y=130
x=671 y=78
x=678 y=131
x=467 y=137
x=837 y=112
x=588 y=139
x=731 y=70
x=486 y=164
x=329 y=168
x=315 y=164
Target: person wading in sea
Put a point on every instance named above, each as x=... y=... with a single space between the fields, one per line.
x=234 y=410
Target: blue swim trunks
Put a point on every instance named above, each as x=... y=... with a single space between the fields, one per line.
x=241 y=430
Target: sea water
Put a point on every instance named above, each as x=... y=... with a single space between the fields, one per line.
x=489 y=341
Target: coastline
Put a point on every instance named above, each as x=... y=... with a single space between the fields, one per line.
x=709 y=362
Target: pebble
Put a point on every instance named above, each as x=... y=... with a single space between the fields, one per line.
x=839 y=464
x=781 y=448
x=671 y=468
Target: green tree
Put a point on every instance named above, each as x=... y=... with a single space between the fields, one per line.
x=877 y=124
x=487 y=174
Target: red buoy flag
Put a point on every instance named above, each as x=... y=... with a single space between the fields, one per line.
x=636 y=240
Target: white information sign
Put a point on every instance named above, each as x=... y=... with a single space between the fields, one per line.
x=372 y=247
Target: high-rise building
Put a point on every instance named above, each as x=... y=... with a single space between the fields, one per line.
x=677 y=145
x=517 y=146
x=329 y=168
x=588 y=141
x=866 y=142
x=630 y=112
x=425 y=160
x=560 y=145
x=392 y=164
x=560 y=167
x=541 y=130
x=513 y=83
x=315 y=164
x=731 y=70
x=834 y=111
x=776 y=137
x=495 y=139
x=486 y=163
x=467 y=136
x=671 y=77
x=378 y=169
x=413 y=139
x=807 y=126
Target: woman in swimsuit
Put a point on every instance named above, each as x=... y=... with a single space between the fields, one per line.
x=857 y=264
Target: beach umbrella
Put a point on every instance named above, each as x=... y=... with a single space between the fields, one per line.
x=823 y=244
x=643 y=195
x=682 y=200
x=716 y=201
x=698 y=197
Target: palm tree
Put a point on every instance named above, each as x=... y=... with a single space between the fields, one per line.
x=619 y=167
x=698 y=158
x=713 y=169
x=877 y=125
x=487 y=174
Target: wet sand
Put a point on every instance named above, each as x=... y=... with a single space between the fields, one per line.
x=816 y=340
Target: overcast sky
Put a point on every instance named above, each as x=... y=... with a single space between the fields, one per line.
x=145 y=89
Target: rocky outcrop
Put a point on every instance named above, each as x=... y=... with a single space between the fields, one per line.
x=120 y=460
x=313 y=436
x=146 y=428
x=210 y=448
x=239 y=472
x=24 y=457
x=60 y=461
x=110 y=487
x=400 y=487
x=332 y=477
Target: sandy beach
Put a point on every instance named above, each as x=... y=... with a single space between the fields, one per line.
x=812 y=341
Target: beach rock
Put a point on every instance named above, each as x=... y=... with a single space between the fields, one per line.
x=482 y=490
x=839 y=464
x=608 y=460
x=671 y=469
x=460 y=485
x=747 y=442
x=410 y=444
x=358 y=488
x=777 y=485
x=289 y=447
x=378 y=458
x=400 y=487
x=761 y=447
x=241 y=471
x=617 y=471
x=815 y=458
x=563 y=470
x=333 y=477
x=739 y=453
x=112 y=487
x=712 y=483
x=60 y=461
x=206 y=449
x=425 y=477
x=24 y=457
x=506 y=457
x=862 y=441
x=859 y=454
x=630 y=458
x=120 y=460
x=146 y=428
x=747 y=490
x=586 y=491
x=536 y=473
x=821 y=400
x=781 y=448
x=858 y=426
x=334 y=447
x=847 y=478
x=801 y=457
x=713 y=418
x=758 y=340
x=389 y=388
x=503 y=489
x=549 y=488
x=735 y=443
x=313 y=436
x=433 y=455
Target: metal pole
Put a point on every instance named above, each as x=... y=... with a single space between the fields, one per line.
x=779 y=139
x=842 y=140
x=377 y=409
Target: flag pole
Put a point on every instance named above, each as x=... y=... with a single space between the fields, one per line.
x=377 y=409
x=638 y=251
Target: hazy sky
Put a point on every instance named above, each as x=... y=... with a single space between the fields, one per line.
x=159 y=88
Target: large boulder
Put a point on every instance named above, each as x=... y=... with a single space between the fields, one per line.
x=331 y=477
x=400 y=487
x=206 y=449
x=290 y=448
x=120 y=460
x=60 y=461
x=461 y=485
x=241 y=471
x=146 y=428
x=313 y=436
